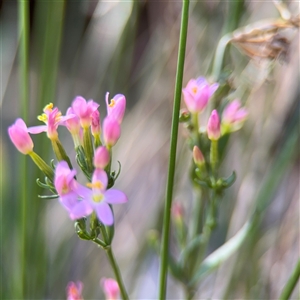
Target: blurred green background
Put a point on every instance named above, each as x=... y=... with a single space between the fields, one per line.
x=90 y=47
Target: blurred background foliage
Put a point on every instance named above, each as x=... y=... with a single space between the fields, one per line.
x=89 y=47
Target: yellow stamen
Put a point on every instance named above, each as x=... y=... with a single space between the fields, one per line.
x=48 y=107
x=43 y=117
x=97 y=185
x=194 y=90
x=112 y=103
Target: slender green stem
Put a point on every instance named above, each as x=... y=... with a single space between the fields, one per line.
x=173 y=146
x=117 y=272
x=291 y=283
x=214 y=156
x=24 y=95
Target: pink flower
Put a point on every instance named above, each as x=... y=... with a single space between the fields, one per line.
x=20 y=137
x=96 y=126
x=84 y=110
x=213 y=126
x=52 y=118
x=74 y=290
x=197 y=93
x=98 y=199
x=101 y=158
x=111 y=131
x=110 y=288
x=233 y=116
x=68 y=188
x=116 y=106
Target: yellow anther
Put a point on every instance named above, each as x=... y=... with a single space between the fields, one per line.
x=112 y=103
x=43 y=117
x=48 y=107
x=96 y=185
x=194 y=90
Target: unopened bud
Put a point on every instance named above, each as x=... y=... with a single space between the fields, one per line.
x=184 y=116
x=213 y=126
x=198 y=157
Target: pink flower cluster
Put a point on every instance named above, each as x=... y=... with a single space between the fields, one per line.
x=77 y=199
x=196 y=96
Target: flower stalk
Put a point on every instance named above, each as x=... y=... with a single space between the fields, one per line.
x=173 y=147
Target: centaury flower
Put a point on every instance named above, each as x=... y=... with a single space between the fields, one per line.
x=18 y=134
x=52 y=117
x=197 y=93
x=111 y=131
x=84 y=110
x=213 y=126
x=116 y=106
x=74 y=290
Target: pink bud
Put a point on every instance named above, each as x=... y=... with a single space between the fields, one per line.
x=74 y=290
x=198 y=157
x=213 y=126
x=111 y=131
x=96 y=127
x=101 y=158
x=116 y=106
x=20 y=137
x=177 y=211
x=197 y=93
x=84 y=110
x=233 y=116
x=110 y=288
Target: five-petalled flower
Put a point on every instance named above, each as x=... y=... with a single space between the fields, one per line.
x=116 y=106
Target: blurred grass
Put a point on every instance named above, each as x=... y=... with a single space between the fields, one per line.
x=89 y=48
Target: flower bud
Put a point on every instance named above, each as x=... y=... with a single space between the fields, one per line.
x=101 y=158
x=111 y=288
x=95 y=126
x=177 y=212
x=213 y=126
x=111 y=131
x=184 y=116
x=198 y=157
x=20 y=137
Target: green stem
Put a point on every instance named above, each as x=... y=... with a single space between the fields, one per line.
x=24 y=94
x=173 y=146
x=291 y=283
x=214 y=156
x=88 y=148
x=117 y=272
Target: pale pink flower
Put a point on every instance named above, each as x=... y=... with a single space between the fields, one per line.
x=52 y=117
x=74 y=290
x=197 y=93
x=84 y=110
x=116 y=106
x=111 y=288
x=213 y=126
x=20 y=137
x=111 y=131
x=233 y=116
x=101 y=158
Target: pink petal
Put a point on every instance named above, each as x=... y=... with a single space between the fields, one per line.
x=104 y=213
x=80 y=210
x=100 y=175
x=69 y=200
x=37 y=129
x=113 y=196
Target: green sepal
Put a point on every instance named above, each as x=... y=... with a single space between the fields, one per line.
x=81 y=161
x=42 y=165
x=224 y=183
x=48 y=196
x=88 y=149
x=80 y=229
x=60 y=152
x=94 y=226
